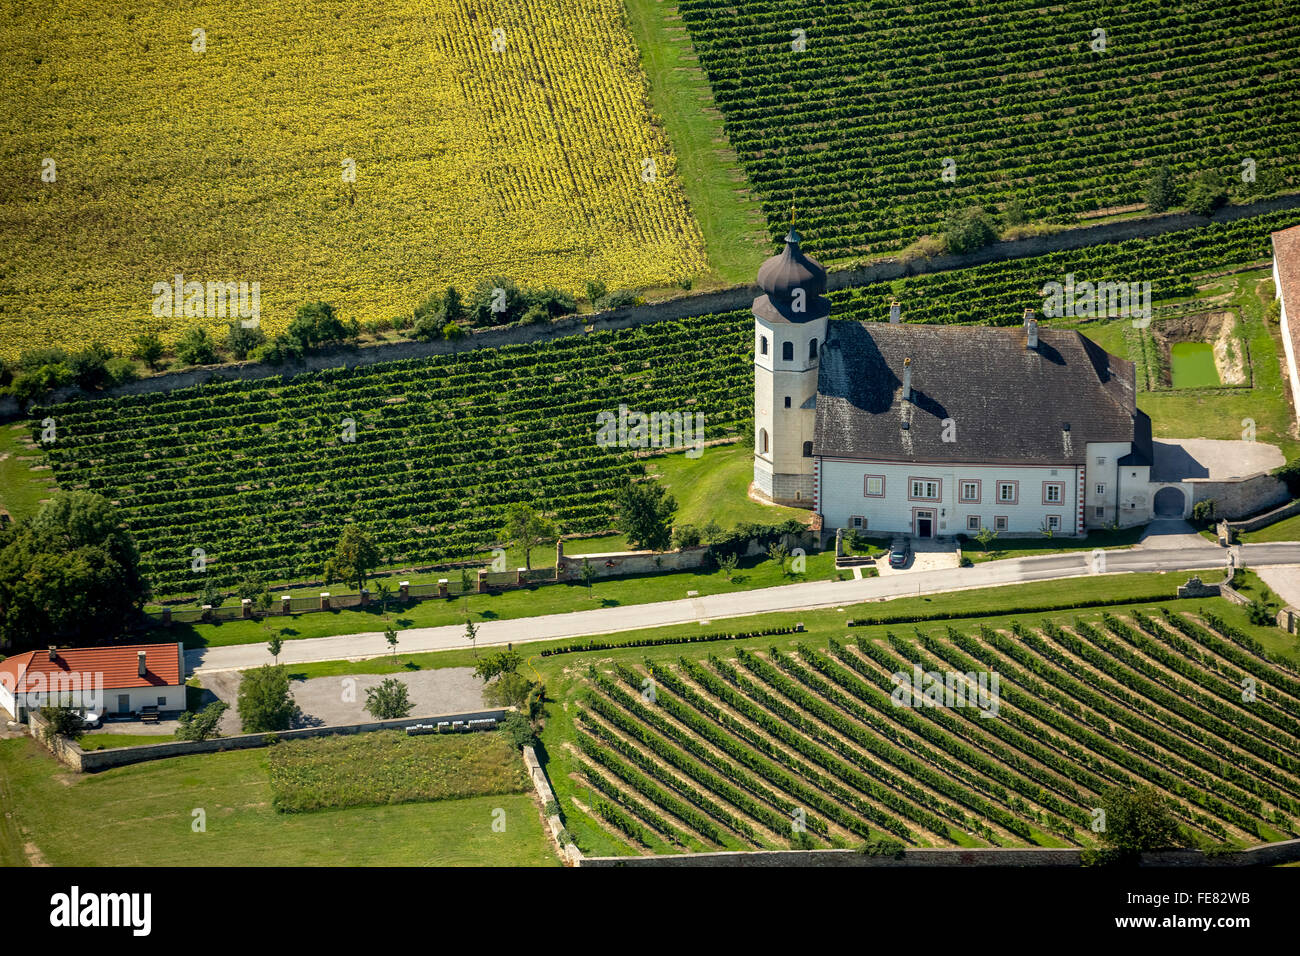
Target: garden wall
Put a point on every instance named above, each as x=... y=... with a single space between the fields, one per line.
x=1239 y=497
x=1288 y=510
x=89 y=761
x=1269 y=854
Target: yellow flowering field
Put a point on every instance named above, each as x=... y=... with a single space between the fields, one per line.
x=139 y=140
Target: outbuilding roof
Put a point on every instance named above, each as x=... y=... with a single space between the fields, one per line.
x=118 y=666
x=979 y=394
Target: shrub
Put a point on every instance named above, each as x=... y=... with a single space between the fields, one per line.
x=1203 y=511
x=148 y=348
x=89 y=367
x=120 y=371
x=686 y=536
x=1162 y=191
x=61 y=722
x=240 y=341
x=195 y=346
x=202 y=725
x=453 y=331
x=264 y=700
x=968 y=230
x=1206 y=193
x=517 y=729
x=389 y=701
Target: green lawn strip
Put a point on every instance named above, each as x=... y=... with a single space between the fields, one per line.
x=386 y=767
x=141 y=815
x=509 y=605
x=715 y=487
x=112 y=741
x=730 y=216
x=21 y=488
x=1001 y=548
x=1288 y=529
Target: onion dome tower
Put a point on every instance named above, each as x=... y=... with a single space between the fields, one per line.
x=790 y=322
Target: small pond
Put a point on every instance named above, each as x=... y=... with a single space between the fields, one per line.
x=1192 y=365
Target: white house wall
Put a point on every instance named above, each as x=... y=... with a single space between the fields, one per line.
x=843 y=484
x=1293 y=376
x=173 y=699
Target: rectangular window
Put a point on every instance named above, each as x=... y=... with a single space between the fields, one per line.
x=1054 y=522
x=162 y=701
x=1101 y=461
x=972 y=522
x=970 y=491
x=787 y=401
x=924 y=490
x=1101 y=489
x=874 y=486
x=1053 y=492
x=1000 y=523
x=858 y=521
x=1100 y=512
x=1009 y=492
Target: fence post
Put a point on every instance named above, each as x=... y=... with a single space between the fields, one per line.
x=324 y=600
x=167 y=617
x=365 y=596
x=519 y=576
x=442 y=587
x=286 y=603
x=246 y=607
x=482 y=580
x=404 y=590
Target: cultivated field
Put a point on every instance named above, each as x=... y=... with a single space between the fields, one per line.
x=521 y=153
x=854 y=127
x=702 y=750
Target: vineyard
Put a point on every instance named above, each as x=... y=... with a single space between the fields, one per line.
x=727 y=750
x=848 y=110
x=262 y=475
x=365 y=155
x=259 y=476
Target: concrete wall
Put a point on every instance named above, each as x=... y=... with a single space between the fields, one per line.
x=1288 y=510
x=93 y=760
x=1269 y=854
x=843 y=495
x=572 y=855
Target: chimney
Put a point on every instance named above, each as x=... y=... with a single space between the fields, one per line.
x=54 y=653
x=907 y=379
x=139 y=657
x=895 y=313
x=1031 y=330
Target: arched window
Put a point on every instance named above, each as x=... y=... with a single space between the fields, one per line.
x=807 y=449
x=787 y=351
x=812 y=350
x=762 y=345
x=762 y=441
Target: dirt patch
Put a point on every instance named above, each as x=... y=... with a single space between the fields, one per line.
x=34 y=855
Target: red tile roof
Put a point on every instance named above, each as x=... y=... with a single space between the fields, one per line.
x=118 y=665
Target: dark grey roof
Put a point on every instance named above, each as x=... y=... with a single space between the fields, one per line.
x=1009 y=404
x=780 y=276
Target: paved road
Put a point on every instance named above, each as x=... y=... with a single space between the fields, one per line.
x=792 y=597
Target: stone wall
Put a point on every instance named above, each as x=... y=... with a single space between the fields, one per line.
x=568 y=567
x=89 y=761
x=1270 y=854
x=684 y=306
x=572 y=855
x=1239 y=497
x=1288 y=510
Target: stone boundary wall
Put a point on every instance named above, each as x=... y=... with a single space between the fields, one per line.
x=1288 y=510
x=568 y=567
x=1269 y=854
x=89 y=761
x=572 y=855
x=1237 y=497
x=680 y=307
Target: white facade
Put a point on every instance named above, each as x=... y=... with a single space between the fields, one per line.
x=1288 y=345
x=900 y=498
x=785 y=417
x=109 y=700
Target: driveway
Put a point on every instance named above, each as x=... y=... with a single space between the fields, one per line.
x=342 y=700
x=1179 y=459
x=1170 y=533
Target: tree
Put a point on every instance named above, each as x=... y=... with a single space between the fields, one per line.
x=588 y=575
x=1014 y=213
x=148 y=348
x=355 y=556
x=390 y=635
x=61 y=722
x=494 y=665
x=1206 y=193
x=202 y=725
x=274 y=645
x=241 y=341
x=471 y=635
x=728 y=564
x=389 y=701
x=195 y=346
x=385 y=592
x=986 y=537
x=1136 y=821
x=527 y=529
x=518 y=729
x=1162 y=190
x=779 y=553
x=90 y=366
x=264 y=702
x=645 y=511
x=968 y=230
x=71 y=571
x=316 y=323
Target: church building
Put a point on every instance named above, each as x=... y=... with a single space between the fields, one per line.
x=939 y=430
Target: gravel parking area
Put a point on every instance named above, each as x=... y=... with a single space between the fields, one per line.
x=342 y=700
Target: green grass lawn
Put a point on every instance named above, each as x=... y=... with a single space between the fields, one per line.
x=730 y=217
x=21 y=488
x=111 y=741
x=527 y=602
x=714 y=487
x=1288 y=529
x=1001 y=548
x=141 y=816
